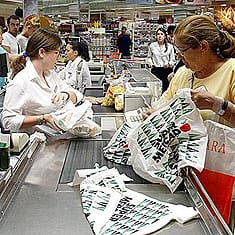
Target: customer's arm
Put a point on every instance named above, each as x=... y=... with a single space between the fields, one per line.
x=205 y=100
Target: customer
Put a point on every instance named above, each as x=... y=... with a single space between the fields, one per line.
x=124 y=44
x=208 y=55
x=161 y=57
x=36 y=91
x=76 y=73
x=31 y=24
x=9 y=38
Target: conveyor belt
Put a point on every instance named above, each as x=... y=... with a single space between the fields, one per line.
x=97 y=108
x=83 y=154
x=94 y=91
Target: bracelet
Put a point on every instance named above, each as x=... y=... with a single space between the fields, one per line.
x=41 y=120
x=67 y=93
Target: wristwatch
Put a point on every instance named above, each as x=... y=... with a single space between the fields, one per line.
x=42 y=120
x=221 y=111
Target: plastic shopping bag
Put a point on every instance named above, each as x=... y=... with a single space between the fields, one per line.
x=85 y=128
x=170 y=139
x=117 y=149
x=219 y=172
x=111 y=208
x=220 y=156
x=77 y=120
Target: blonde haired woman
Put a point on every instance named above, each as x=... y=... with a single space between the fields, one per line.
x=208 y=55
x=31 y=24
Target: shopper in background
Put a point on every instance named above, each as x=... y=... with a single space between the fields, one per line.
x=170 y=31
x=31 y=24
x=36 y=91
x=9 y=38
x=161 y=57
x=3 y=64
x=124 y=44
x=208 y=55
x=76 y=73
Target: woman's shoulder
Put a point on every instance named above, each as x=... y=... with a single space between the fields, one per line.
x=153 y=44
x=231 y=62
x=20 y=77
x=170 y=45
x=228 y=66
x=183 y=73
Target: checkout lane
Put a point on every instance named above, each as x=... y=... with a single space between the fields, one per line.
x=45 y=204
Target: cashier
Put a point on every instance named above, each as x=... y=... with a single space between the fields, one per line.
x=77 y=73
x=208 y=54
x=36 y=91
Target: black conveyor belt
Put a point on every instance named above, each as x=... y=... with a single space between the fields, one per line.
x=97 y=108
x=83 y=154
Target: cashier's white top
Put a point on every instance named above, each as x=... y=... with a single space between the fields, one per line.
x=11 y=41
x=76 y=74
x=160 y=56
x=27 y=95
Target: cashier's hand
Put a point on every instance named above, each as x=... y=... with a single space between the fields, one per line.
x=50 y=122
x=148 y=113
x=60 y=97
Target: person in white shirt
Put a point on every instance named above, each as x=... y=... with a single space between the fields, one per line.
x=31 y=24
x=161 y=57
x=76 y=73
x=36 y=91
x=10 y=43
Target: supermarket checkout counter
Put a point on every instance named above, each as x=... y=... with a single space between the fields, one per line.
x=37 y=200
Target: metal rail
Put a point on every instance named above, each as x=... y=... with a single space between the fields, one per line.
x=12 y=179
x=214 y=225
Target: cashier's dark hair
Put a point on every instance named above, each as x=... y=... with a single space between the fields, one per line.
x=160 y=28
x=41 y=38
x=81 y=48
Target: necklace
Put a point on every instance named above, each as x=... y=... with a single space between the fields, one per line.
x=191 y=80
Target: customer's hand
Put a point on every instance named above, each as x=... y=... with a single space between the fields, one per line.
x=205 y=100
x=146 y=114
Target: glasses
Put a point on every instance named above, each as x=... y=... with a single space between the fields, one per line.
x=182 y=51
